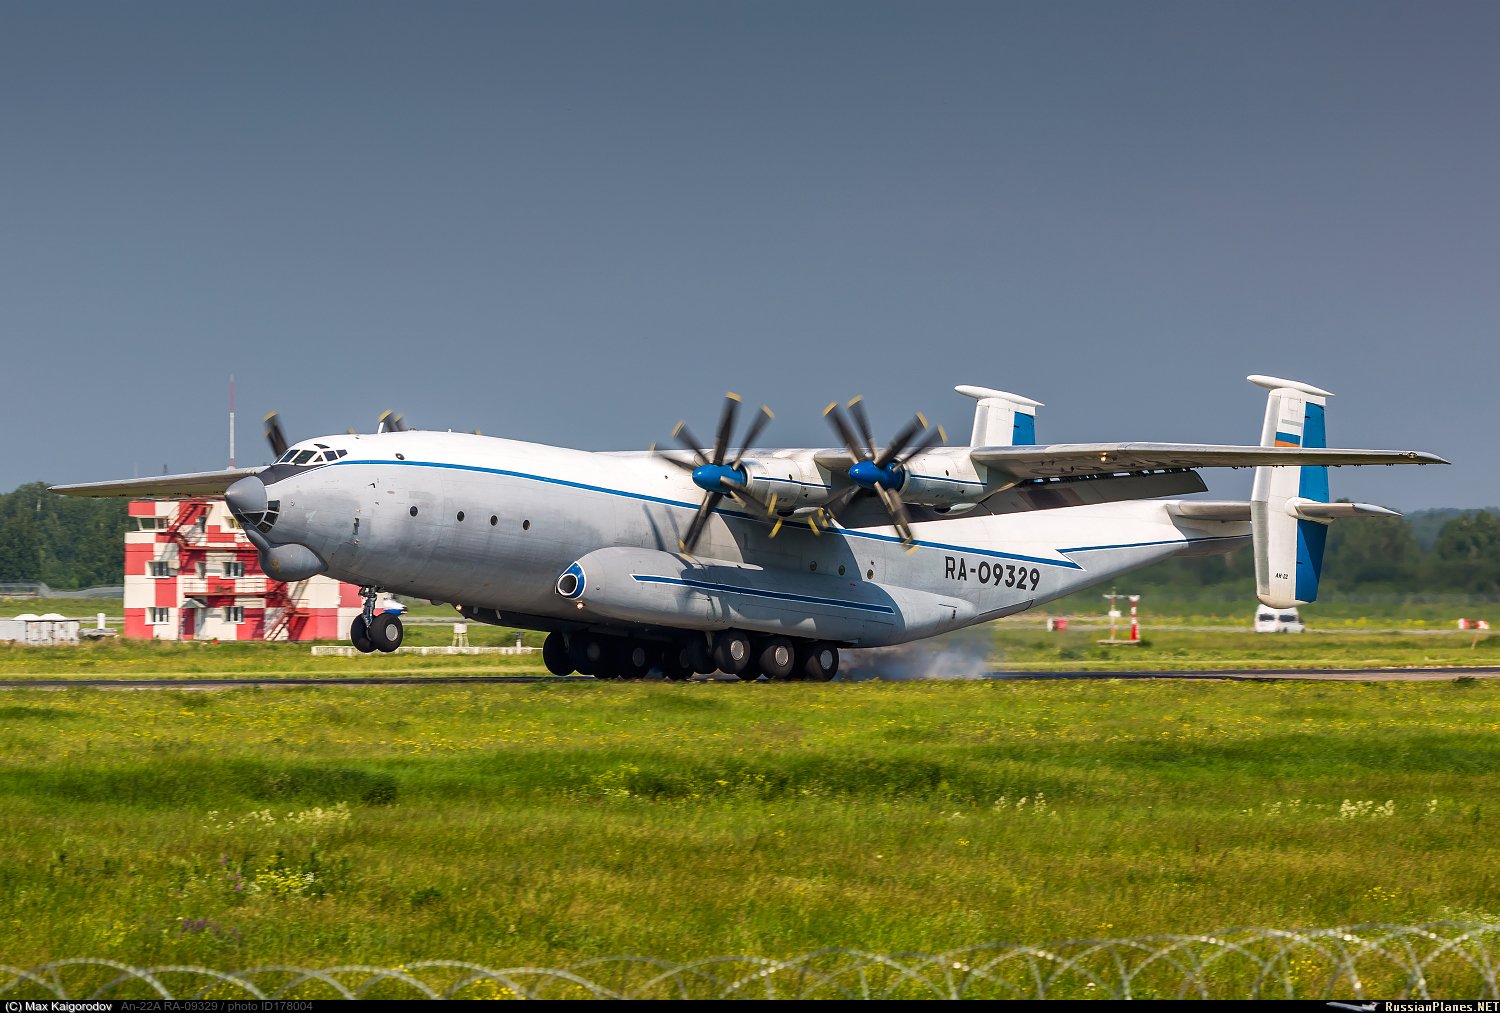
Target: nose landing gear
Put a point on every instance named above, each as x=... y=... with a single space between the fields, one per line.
x=371 y=632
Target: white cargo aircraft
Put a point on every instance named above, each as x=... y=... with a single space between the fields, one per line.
x=769 y=562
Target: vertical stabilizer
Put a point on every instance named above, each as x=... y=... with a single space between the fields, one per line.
x=1001 y=419
x=1288 y=548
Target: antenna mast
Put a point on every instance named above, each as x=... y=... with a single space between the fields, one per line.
x=231 y=421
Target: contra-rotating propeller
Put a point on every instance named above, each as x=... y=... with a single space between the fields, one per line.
x=713 y=475
x=880 y=471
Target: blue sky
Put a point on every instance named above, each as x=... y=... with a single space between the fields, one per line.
x=576 y=223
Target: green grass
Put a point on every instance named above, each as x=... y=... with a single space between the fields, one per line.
x=546 y=824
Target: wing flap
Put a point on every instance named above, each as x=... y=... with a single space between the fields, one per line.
x=188 y=486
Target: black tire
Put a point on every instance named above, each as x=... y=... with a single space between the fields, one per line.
x=586 y=653
x=818 y=662
x=386 y=632
x=555 y=655
x=732 y=652
x=675 y=664
x=699 y=656
x=359 y=635
x=634 y=658
x=776 y=658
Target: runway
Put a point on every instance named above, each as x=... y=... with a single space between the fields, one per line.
x=1231 y=675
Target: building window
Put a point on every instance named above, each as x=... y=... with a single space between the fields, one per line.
x=151 y=524
x=158 y=568
x=202 y=568
x=234 y=568
x=158 y=616
x=234 y=613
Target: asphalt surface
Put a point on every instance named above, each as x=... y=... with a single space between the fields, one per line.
x=1233 y=675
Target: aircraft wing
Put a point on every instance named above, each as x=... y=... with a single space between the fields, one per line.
x=1082 y=459
x=190 y=486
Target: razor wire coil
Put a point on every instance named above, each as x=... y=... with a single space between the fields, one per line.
x=1448 y=960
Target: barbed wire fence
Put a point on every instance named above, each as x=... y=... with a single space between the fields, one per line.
x=1445 y=960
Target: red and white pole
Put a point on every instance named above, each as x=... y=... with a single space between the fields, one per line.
x=1135 y=623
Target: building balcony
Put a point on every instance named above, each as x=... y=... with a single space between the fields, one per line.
x=193 y=587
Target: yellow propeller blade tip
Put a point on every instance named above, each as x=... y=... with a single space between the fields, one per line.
x=767 y=409
x=922 y=419
x=855 y=400
x=731 y=395
x=776 y=528
x=677 y=429
x=831 y=406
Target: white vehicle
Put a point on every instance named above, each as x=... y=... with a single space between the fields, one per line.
x=770 y=561
x=1278 y=621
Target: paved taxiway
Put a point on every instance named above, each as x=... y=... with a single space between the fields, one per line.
x=1234 y=674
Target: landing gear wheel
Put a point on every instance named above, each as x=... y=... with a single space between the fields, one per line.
x=586 y=653
x=359 y=636
x=817 y=662
x=386 y=633
x=732 y=652
x=555 y=655
x=633 y=659
x=675 y=662
x=698 y=655
x=776 y=658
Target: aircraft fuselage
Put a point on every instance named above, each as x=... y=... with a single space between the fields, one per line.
x=492 y=524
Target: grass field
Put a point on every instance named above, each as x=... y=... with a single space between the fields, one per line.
x=549 y=823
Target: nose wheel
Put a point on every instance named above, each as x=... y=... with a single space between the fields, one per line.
x=359 y=635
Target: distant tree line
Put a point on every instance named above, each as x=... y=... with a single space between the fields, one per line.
x=63 y=541
x=71 y=543
x=1430 y=550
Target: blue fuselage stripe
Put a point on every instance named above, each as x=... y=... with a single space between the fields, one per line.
x=1067 y=564
x=805 y=599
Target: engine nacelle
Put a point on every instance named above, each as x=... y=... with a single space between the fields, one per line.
x=943 y=478
x=793 y=482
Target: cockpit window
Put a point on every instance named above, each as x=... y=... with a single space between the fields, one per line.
x=286 y=457
x=304 y=457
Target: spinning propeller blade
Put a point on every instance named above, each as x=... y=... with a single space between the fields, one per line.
x=275 y=436
x=713 y=475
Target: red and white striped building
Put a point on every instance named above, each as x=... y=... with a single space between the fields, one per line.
x=191 y=574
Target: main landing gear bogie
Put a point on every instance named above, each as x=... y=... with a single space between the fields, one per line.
x=731 y=652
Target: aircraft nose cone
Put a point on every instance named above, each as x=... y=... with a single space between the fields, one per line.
x=246 y=497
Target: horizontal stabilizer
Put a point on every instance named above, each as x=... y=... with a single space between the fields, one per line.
x=1112 y=458
x=190 y=486
x=1307 y=510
